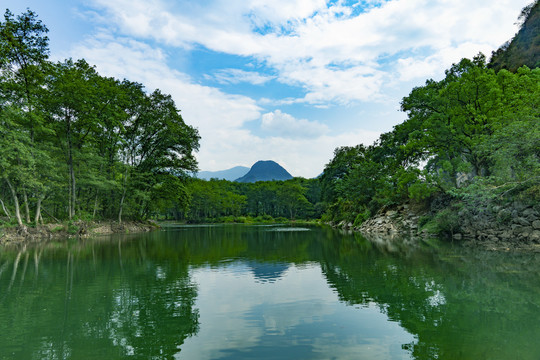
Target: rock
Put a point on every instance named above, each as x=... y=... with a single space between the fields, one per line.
x=517 y=229
x=530 y=211
x=504 y=215
x=391 y=213
x=536 y=224
x=457 y=236
x=535 y=236
x=525 y=231
x=493 y=238
x=522 y=221
x=519 y=206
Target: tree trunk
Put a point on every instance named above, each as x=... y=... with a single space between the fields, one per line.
x=16 y=204
x=124 y=186
x=95 y=206
x=69 y=200
x=73 y=187
x=26 y=207
x=50 y=215
x=38 y=210
x=5 y=210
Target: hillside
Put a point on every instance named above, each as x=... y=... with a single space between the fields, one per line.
x=524 y=48
x=229 y=174
x=265 y=171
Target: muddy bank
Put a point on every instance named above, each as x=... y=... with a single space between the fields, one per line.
x=71 y=230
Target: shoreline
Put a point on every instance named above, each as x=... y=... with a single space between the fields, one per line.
x=78 y=229
x=514 y=227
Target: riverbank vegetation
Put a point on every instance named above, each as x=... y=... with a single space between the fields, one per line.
x=473 y=136
x=78 y=145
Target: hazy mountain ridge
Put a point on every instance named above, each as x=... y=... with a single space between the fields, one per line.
x=229 y=174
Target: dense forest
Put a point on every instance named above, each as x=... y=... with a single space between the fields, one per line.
x=263 y=201
x=78 y=145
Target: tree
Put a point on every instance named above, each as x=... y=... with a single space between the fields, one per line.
x=23 y=56
x=157 y=141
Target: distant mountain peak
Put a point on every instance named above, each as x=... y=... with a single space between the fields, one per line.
x=265 y=170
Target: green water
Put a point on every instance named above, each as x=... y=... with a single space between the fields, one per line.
x=264 y=292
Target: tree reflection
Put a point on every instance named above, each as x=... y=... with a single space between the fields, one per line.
x=91 y=305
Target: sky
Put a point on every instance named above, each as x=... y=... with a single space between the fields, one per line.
x=282 y=80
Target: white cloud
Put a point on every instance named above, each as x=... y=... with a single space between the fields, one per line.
x=236 y=76
x=284 y=125
x=220 y=117
x=337 y=56
x=304 y=39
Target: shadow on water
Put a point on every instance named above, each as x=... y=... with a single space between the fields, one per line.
x=135 y=296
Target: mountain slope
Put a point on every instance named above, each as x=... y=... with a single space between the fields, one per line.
x=229 y=174
x=265 y=171
x=524 y=48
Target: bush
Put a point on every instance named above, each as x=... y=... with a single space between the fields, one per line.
x=447 y=221
x=72 y=228
x=361 y=217
x=423 y=220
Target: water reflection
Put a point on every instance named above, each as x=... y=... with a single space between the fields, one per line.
x=268 y=272
x=94 y=300
x=241 y=292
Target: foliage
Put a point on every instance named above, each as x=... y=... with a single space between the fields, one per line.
x=75 y=144
x=473 y=136
x=263 y=201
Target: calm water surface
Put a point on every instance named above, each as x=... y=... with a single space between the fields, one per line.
x=265 y=292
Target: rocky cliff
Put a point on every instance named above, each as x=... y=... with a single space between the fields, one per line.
x=495 y=227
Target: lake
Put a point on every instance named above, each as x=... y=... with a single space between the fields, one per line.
x=266 y=292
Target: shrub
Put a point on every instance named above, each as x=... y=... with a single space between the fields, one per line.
x=447 y=221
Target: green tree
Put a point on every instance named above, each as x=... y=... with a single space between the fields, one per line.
x=23 y=57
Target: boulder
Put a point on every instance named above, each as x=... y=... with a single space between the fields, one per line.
x=522 y=221
x=535 y=236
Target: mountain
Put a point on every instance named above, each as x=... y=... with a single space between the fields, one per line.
x=265 y=171
x=229 y=174
x=524 y=48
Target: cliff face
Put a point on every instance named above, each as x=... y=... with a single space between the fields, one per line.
x=524 y=48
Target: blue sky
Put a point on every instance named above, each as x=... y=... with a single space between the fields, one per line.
x=282 y=80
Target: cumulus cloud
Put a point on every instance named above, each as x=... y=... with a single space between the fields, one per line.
x=236 y=76
x=284 y=125
x=303 y=40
